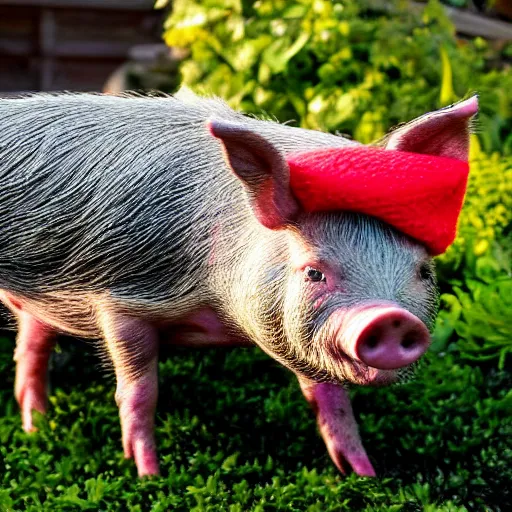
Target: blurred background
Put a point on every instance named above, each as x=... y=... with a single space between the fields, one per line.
x=75 y=44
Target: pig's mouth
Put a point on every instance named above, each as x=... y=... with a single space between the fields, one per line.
x=356 y=372
x=327 y=363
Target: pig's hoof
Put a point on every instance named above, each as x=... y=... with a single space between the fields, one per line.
x=31 y=399
x=143 y=451
x=353 y=462
x=362 y=467
x=147 y=471
x=147 y=462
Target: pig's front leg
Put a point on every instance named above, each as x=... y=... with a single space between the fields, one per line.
x=133 y=348
x=34 y=344
x=338 y=426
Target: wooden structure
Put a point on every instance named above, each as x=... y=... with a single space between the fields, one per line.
x=475 y=24
x=52 y=45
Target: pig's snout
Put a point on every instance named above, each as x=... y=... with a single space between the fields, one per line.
x=386 y=338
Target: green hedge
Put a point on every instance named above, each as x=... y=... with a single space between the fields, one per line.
x=476 y=272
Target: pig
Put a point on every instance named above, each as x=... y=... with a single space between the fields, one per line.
x=144 y=220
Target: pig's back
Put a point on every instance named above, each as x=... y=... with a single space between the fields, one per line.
x=119 y=194
x=106 y=193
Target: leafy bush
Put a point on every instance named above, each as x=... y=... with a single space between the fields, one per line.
x=481 y=319
x=476 y=272
x=348 y=66
x=487 y=214
x=483 y=247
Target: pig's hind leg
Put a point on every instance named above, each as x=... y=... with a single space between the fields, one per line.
x=133 y=348
x=338 y=426
x=34 y=345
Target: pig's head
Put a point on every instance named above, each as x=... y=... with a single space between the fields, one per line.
x=354 y=298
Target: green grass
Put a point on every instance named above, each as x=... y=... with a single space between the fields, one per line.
x=235 y=435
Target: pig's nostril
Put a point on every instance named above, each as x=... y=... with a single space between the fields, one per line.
x=372 y=341
x=396 y=324
x=409 y=341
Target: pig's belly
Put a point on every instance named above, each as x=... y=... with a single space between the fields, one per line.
x=203 y=327
x=72 y=315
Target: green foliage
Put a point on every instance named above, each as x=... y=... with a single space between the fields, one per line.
x=476 y=272
x=235 y=434
x=487 y=214
x=347 y=66
x=481 y=319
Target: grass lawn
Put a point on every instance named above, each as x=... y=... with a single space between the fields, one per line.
x=235 y=435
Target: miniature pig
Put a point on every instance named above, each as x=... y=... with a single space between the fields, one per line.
x=147 y=220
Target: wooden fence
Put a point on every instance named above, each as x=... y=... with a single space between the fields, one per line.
x=70 y=44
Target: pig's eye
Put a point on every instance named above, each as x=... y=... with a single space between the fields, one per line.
x=314 y=275
x=426 y=272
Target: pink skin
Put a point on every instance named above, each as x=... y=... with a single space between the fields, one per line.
x=445 y=133
x=137 y=404
x=137 y=385
x=136 y=395
x=34 y=344
x=133 y=347
x=382 y=335
x=385 y=337
x=338 y=426
x=136 y=398
x=202 y=328
x=467 y=108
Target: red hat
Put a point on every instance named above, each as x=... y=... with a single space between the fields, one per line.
x=420 y=195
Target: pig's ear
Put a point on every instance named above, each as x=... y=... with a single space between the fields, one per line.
x=263 y=171
x=444 y=132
